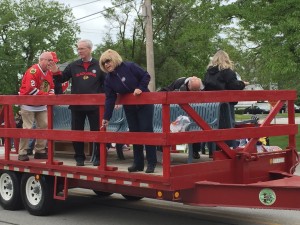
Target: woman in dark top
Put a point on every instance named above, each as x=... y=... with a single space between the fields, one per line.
x=221 y=76
x=123 y=78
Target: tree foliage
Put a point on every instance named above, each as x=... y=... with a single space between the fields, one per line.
x=260 y=36
x=186 y=31
x=268 y=31
x=185 y=34
x=27 y=28
x=126 y=30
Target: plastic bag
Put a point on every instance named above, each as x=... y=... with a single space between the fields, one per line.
x=180 y=124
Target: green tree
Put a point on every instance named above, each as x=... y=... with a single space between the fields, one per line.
x=185 y=34
x=27 y=28
x=268 y=32
x=189 y=33
x=127 y=30
x=168 y=71
x=261 y=37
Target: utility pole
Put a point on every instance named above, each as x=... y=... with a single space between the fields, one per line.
x=147 y=13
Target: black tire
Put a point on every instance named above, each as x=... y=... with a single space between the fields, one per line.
x=37 y=195
x=10 y=196
x=132 y=198
x=102 y=193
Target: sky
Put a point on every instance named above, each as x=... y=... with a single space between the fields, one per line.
x=95 y=26
x=92 y=27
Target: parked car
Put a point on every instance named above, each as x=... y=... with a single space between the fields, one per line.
x=297 y=109
x=256 y=110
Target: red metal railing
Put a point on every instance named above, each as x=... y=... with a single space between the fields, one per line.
x=167 y=139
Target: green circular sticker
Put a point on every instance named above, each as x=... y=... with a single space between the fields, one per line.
x=267 y=196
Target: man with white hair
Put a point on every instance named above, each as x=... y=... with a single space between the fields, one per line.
x=37 y=80
x=187 y=84
x=87 y=78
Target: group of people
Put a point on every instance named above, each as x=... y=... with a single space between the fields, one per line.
x=110 y=75
x=220 y=75
x=43 y=77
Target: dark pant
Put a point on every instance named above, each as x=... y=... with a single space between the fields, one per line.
x=197 y=147
x=232 y=143
x=139 y=118
x=227 y=120
x=78 y=120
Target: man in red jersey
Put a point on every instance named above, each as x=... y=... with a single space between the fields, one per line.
x=37 y=80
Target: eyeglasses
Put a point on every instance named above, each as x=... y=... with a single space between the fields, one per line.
x=106 y=61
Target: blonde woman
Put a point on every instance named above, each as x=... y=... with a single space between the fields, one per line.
x=220 y=75
x=123 y=78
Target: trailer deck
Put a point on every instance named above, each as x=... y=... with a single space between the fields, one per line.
x=112 y=160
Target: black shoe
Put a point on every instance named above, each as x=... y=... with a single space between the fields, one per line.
x=119 y=150
x=150 y=168
x=96 y=162
x=40 y=155
x=196 y=155
x=29 y=152
x=80 y=163
x=23 y=158
x=135 y=168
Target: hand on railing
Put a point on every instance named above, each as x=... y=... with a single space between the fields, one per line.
x=104 y=124
x=137 y=92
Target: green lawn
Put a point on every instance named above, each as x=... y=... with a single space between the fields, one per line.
x=248 y=116
x=281 y=141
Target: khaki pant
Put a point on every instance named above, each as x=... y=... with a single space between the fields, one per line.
x=41 y=121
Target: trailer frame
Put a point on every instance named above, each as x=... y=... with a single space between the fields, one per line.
x=241 y=177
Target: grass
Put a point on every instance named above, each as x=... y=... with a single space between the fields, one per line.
x=248 y=116
x=281 y=141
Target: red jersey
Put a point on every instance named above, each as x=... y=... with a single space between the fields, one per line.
x=37 y=82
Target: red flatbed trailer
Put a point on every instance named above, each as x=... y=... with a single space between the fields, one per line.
x=240 y=177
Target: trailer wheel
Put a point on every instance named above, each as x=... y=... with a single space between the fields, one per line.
x=10 y=197
x=37 y=194
x=132 y=198
x=102 y=193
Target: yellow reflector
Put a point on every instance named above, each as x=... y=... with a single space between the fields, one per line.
x=159 y=194
x=37 y=176
x=176 y=194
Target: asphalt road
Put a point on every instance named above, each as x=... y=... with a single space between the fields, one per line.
x=84 y=208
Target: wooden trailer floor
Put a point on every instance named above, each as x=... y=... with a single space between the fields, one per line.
x=122 y=165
